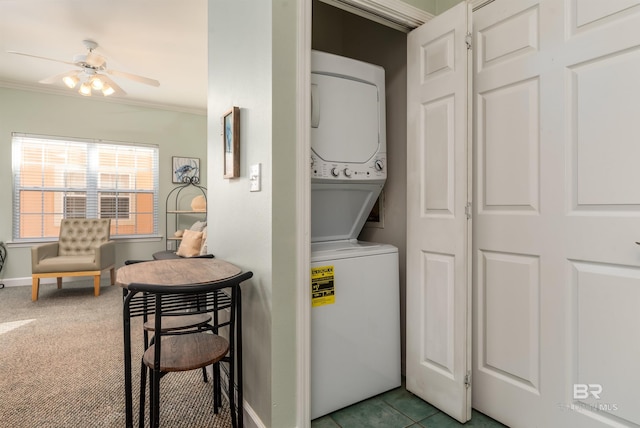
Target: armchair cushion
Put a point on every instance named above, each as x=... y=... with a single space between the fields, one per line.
x=66 y=264
x=80 y=236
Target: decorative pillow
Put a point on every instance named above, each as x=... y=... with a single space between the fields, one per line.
x=198 y=226
x=203 y=247
x=190 y=244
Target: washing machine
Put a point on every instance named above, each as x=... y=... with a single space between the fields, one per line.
x=355 y=313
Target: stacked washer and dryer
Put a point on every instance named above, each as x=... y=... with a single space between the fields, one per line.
x=355 y=316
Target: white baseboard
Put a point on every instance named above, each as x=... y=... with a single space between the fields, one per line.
x=26 y=281
x=250 y=417
x=16 y=282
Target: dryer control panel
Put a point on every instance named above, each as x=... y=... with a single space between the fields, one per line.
x=375 y=169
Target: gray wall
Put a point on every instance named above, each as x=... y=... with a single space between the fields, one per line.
x=443 y=5
x=176 y=134
x=435 y=7
x=252 y=65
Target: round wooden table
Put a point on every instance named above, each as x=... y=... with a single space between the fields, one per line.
x=177 y=272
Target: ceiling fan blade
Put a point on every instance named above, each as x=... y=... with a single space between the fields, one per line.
x=41 y=57
x=140 y=79
x=59 y=77
x=118 y=90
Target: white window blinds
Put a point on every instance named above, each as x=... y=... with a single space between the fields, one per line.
x=56 y=178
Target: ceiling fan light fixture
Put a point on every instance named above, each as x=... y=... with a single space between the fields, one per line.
x=96 y=83
x=85 y=89
x=70 y=81
x=107 y=90
x=92 y=74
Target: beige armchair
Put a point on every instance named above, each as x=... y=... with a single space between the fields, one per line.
x=83 y=249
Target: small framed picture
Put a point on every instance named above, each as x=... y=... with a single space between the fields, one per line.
x=185 y=170
x=231 y=142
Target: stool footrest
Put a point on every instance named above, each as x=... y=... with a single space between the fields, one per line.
x=178 y=322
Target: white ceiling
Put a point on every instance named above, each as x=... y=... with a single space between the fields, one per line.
x=165 y=40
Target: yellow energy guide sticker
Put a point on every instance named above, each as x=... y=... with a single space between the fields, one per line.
x=322 y=286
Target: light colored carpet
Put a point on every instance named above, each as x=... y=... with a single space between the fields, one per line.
x=61 y=364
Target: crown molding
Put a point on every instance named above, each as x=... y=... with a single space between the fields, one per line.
x=477 y=4
x=392 y=13
x=52 y=90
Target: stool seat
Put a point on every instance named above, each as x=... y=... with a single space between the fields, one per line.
x=178 y=322
x=187 y=351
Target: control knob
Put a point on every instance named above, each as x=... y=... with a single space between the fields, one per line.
x=347 y=172
x=335 y=172
x=378 y=165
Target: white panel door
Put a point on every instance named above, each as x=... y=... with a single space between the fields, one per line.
x=557 y=212
x=438 y=245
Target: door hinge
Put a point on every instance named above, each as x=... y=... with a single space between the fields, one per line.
x=468 y=39
x=467 y=210
x=467 y=380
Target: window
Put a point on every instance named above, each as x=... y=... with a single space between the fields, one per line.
x=55 y=178
x=75 y=206
x=114 y=206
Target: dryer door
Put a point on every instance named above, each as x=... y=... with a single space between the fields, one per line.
x=345 y=116
x=339 y=209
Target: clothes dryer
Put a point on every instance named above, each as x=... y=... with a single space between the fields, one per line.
x=348 y=144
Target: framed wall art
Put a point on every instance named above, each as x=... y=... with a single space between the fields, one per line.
x=231 y=140
x=185 y=170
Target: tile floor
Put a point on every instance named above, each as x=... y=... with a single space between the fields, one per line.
x=397 y=408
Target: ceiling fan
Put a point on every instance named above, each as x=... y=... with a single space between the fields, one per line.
x=92 y=74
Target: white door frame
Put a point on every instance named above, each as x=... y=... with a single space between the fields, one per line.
x=303 y=218
x=394 y=11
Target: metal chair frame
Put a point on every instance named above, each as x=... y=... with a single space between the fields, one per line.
x=142 y=300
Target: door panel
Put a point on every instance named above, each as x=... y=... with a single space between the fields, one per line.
x=511 y=347
x=557 y=215
x=438 y=274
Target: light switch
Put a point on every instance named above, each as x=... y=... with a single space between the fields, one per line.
x=254 y=178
